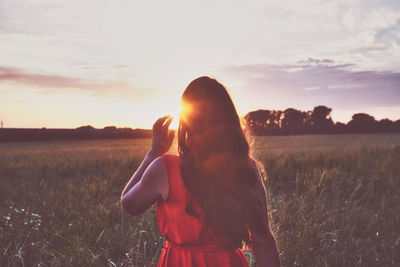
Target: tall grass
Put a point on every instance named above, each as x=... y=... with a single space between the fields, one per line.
x=329 y=205
x=336 y=209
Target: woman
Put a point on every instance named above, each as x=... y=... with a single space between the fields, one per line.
x=211 y=198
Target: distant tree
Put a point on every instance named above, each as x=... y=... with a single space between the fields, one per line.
x=126 y=129
x=110 y=129
x=293 y=121
x=321 y=121
x=317 y=121
x=397 y=126
x=264 y=122
x=274 y=122
x=340 y=128
x=85 y=129
x=256 y=121
x=362 y=123
x=386 y=126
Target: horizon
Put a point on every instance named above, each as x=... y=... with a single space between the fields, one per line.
x=174 y=124
x=125 y=65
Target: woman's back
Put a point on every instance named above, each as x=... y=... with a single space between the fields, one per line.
x=213 y=178
x=189 y=240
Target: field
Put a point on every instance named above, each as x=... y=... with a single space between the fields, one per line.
x=334 y=201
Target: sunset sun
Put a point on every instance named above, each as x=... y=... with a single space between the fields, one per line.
x=246 y=133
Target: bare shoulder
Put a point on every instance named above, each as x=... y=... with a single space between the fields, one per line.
x=157 y=165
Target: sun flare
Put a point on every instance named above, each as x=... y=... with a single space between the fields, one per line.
x=175 y=121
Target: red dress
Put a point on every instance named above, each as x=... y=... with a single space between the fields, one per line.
x=186 y=240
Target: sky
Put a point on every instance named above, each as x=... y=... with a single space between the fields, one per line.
x=64 y=64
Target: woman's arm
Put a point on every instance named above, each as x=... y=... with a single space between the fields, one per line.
x=152 y=187
x=264 y=247
x=150 y=181
x=149 y=158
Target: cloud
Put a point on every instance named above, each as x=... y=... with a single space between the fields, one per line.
x=145 y=35
x=52 y=83
x=311 y=82
x=312 y=88
x=100 y=66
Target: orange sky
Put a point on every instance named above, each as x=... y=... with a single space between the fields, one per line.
x=65 y=64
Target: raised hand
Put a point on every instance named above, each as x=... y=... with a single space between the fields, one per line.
x=162 y=136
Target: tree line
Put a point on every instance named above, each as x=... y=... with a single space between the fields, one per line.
x=318 y=121
x=81 y=133
x=260 y=122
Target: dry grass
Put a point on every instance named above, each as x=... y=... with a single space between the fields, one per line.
x=333 y=202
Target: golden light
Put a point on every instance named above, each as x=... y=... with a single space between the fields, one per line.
x=186 y=110
x=162 y=105
x=175 y=121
